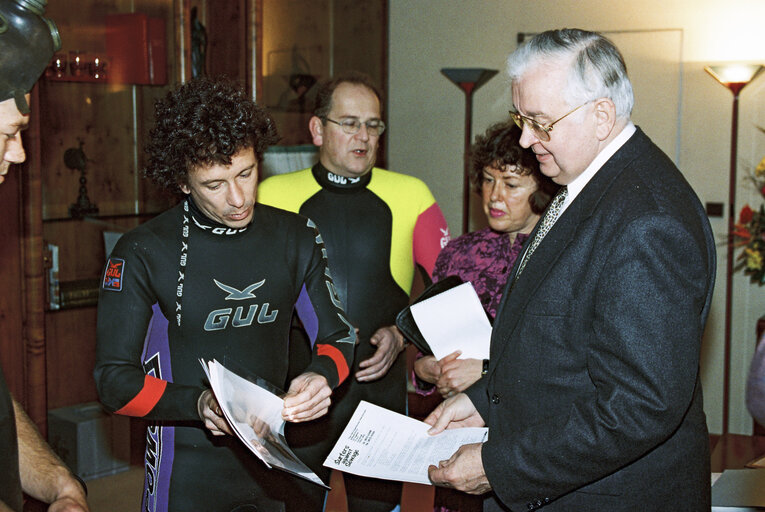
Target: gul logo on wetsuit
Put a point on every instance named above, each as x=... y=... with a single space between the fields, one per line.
x=218 y=319
x=115 y=268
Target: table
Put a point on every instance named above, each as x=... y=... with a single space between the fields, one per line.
x=733 y=451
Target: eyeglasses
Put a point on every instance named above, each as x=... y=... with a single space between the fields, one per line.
x=540 y=130
x=351 y=126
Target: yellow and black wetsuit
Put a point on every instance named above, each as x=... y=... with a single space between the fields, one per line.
x=377 y=228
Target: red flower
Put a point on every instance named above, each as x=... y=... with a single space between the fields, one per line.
x=742 y=232
x=745 y=217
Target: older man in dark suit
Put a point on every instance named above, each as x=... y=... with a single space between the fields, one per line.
x=592 y=396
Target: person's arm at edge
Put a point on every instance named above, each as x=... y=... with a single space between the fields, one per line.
x=755 y=384
x=43 y=475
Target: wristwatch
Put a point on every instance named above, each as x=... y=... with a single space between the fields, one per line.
x=485 y=368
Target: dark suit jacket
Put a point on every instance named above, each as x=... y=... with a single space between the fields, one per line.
x=592 y=398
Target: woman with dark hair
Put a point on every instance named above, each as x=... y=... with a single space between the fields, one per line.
x=514 y=193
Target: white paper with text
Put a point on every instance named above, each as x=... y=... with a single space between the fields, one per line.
x=384 y=444
x=454 y=320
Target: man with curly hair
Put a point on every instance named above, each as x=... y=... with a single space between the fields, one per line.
x=379 y=226
x=217 y=276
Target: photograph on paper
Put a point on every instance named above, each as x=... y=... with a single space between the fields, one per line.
x=255 y=415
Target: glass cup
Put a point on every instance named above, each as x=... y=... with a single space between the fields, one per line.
x=97 y=68
x=76 y=63
x=57 y=66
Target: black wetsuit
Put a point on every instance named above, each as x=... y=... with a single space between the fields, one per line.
x=181 y=287
x=377 y=228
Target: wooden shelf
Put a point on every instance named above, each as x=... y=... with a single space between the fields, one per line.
x=81 y=78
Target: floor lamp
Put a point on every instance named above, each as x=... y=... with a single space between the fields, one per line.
x=735 y=77
x=469 y=80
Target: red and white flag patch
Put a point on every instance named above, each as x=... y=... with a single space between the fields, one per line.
x=115 y=269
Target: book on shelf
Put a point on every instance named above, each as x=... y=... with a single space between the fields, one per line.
x=78 y=293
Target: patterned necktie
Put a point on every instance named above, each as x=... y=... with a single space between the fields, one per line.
x=551 y=215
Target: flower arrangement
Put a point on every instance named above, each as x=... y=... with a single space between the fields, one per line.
x=749 y=231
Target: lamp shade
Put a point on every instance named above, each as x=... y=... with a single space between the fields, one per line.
x=468 y=78
x=734 y=76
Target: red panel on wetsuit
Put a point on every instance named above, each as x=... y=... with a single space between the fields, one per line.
x=431 y=234
x=337 y=357
x=146 y=399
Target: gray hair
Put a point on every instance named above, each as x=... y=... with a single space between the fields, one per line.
x=597 y=66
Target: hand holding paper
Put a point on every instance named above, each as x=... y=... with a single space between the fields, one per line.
x=307 y=398
x=462 y=471
x=254 y=413
x=380 y=443
x=457 y=374
x=454 y=413
x=211 y=414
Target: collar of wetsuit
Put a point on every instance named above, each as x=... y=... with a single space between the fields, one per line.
x=206 y=224
x=335 y=182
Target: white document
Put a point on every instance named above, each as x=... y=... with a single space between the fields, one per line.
x=454 y=320
x=384 y=444
x=255 y=415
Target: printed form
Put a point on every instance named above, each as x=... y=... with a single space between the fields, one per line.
x=384 y=444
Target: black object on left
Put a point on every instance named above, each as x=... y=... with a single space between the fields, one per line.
x=28 y=40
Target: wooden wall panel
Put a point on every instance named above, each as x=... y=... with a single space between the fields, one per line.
x=100 y=121
x=71 y=355
x=33 y=266
x=226 y=39
x=11 y=305
x=71 y=333
x=360 y=38
x=111 y=122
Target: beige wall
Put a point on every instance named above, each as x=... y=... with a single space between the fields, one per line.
x=426 y=116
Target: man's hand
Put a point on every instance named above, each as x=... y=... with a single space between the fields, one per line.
x=463 y=471
x=211 y=414
x=69 y=504
x=307 y=398
x=457 y=374
x=259 y=427
x=455 y=412
x=389 y=342
x=428 y=369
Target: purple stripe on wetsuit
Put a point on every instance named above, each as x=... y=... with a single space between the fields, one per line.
x=307 y=315
x=160 y=440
